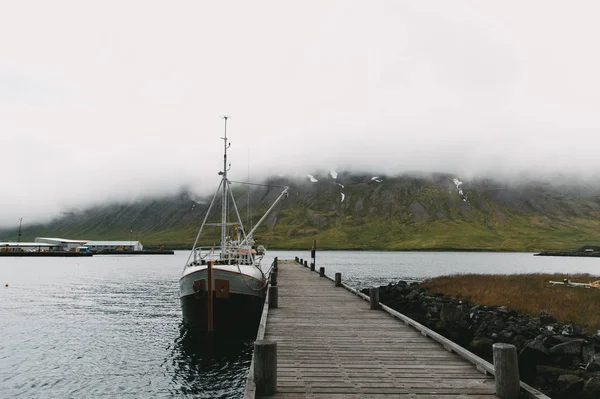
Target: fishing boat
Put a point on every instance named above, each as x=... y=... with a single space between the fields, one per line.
x=223 y=287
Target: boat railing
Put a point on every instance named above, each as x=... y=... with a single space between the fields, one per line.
x=230 y=254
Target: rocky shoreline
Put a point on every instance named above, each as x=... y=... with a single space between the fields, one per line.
x=556 y=358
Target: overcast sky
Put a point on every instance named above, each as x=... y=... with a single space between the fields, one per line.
x=116 y=99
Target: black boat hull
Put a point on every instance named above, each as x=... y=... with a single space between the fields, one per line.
x=239 y=312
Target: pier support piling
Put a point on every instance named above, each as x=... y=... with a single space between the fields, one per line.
x=265 y=367
x=506 y=368
x=273 y=297
x=338 y=279
x=374 y=297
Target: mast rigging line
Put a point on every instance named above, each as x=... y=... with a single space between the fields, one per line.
x=256 y=184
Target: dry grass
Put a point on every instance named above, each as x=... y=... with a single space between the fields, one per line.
x=529 y=293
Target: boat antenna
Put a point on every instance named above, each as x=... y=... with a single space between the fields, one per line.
x=226 y=145
x=19 y=238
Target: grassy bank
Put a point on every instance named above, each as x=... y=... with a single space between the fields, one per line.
x=529 y=293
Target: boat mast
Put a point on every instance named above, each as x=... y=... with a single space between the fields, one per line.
x=225 y=187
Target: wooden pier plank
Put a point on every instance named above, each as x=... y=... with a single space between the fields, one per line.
x=331 y=345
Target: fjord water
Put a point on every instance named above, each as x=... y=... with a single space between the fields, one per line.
x=110 y=326
x=107 y=326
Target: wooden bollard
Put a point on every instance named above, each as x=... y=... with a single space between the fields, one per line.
x=321 y=271
x=296 y=259
x=506 y=366
x=265 y=367
x=338 y=279
x=374 y=297
x=273 y=297
x=273 y=278
x=275 y=262
x=302 y=261
x=312 y=267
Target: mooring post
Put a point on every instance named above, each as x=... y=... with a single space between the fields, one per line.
x=302 y=261
x=296 y=259
x=338 y=279
x=312 y=267
x=313 y=254
x=273 y=297
x=273 y=278
x=321 y=271
x=374 y=297
x=506 y=366
x=265 y=367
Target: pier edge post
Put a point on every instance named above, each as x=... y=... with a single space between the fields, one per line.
x=338 y=279
x=265 y=367
x=274 y=278
x=506 y=370
x=374 y=297
x=273 y=297
x=312 y=267
x=321 y=271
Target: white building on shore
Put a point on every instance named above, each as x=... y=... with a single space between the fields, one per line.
x=61 y=244
x=65 y=244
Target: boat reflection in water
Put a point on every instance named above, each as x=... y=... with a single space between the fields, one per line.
x=208 y=365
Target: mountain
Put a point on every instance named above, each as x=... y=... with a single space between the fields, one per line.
x=359 y=211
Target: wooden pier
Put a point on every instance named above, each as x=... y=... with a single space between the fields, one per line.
x=330 y=344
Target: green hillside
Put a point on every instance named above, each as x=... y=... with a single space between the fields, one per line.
x=395 y=213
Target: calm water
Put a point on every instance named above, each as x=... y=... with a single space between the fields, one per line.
x=110 y=326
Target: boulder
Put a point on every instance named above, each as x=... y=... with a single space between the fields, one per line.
x=451 y=313
x=572 y=330
x=546 y=318
x=571 y=348
x=591 y=389
x=593 y=364
x=588 y=353
x=531 y=355
x=569 y=386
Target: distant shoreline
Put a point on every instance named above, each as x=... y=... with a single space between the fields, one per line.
x=181 y=248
